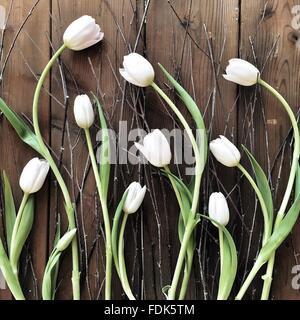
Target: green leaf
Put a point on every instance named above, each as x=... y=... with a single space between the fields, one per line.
x=10 y=210
x=8 y=274
x=297 y=183
x=23 y=231
x=105 y=149
x=195 y=113
x=115 y=229
x=182 y=187
x=54 y=273
x=48 y=285
x=285 y=226
x=21 y=128
x=165 y=290
x=229 y=269
x=262 y=183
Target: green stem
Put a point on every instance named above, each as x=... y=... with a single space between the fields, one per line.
x=296 y=154
x=181 y=257
x=122 y=264
x=14 y=263
x=189 y=132
x=9 y=276
x=108 y=242
x=195 y=200
x=56 y=172
x=267 y=224
x=249 y=279
x=187 y=271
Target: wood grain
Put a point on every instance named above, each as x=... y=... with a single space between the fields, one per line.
x=193 y=40
x=20 y=78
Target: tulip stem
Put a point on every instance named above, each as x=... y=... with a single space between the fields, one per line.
x=47 y=155
x=122 y=264
x=190 y=226
x=296 y=154
x=249 y=279
x=14 y=263
x=187 y=270
x=188 y=233
x=108 y=245
x=267 y=223
x=193 y=142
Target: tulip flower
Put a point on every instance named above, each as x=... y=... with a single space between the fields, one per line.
x=135 y=197
x=137 y=70
x=156 y=149
x=82 y=33
x=225 y=152
x=218 y=208
x=34 y=175
x=242 y=72
x=83 y=111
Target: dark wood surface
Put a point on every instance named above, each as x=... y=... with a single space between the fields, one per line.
x=193 y=39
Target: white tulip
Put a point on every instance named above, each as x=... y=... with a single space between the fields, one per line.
x=218 y=208
x=84 y=112
x=82 y=33
x=156 y=149
x=242 y=72
x=225 y=152
x=137 y=70
x=34 y=175
x=135 y=197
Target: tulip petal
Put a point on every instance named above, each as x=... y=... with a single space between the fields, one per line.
x=128 y=78
x=139 y=69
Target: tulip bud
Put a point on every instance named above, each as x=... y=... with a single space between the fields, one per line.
x=135 y=197
x=34 y=175
x=84 y=112
x=242 y=72
x=156 y=149
x=225 y=152
x=65 y=241
x=82 y=33
x=137 y=70
x=218 y=208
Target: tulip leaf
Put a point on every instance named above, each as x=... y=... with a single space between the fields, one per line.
x=10 y=210
x=54 y=273
x=8 y=274
x=262 y=183
x=49 y=283
x=21 y=128
x=229 y=268
x=115 y=229
x=165 y=290
x=286 y=225
x=183 y=188
x=196 y=115
x=23 y=231
x=105 y=149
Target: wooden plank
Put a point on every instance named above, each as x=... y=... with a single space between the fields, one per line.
x=274 y=43
x=94 y=69
x=177 y=38
x=26 y=61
